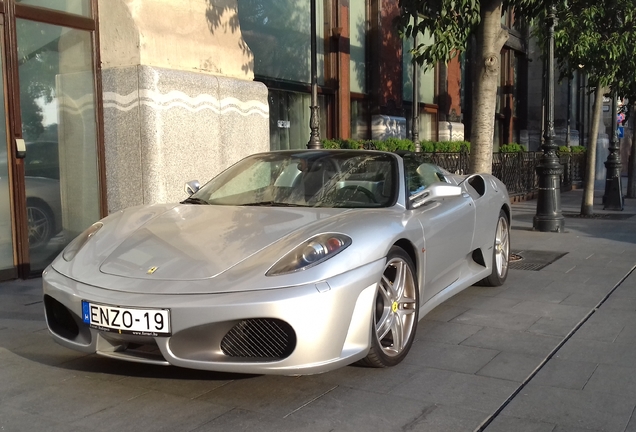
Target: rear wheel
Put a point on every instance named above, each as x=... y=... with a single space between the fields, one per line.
x=395 y=311
x=500 y=254
x=39 y=222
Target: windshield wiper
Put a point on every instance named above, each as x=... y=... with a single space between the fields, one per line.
x=194 y=200
x=273 y=204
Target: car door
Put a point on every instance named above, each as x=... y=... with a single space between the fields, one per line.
x=448 y=224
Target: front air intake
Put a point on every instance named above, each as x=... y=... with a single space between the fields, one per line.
x=260 y=338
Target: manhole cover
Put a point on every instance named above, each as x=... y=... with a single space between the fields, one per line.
x=604 y=216
x=533 y=260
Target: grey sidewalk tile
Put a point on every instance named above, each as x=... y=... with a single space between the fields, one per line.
x=355 y=410
x=631 y=426
x=22 y=325
x=627 y=335
x=153 y=412
x=623 y=303
x=444 y=332
x=482 y=302
x=513 y=341
x=378 y=380
x=598 y=352
x=554 y=326
x=48 y=352
x=255 y=394
x=455 y=358
x=73 y=399
x=533 y=292
x=12 y=339
x=578 y=287
x=626 y=290
x=573 y=408
x=551 y=310
x=567 y=374
x=584 y=298
x=617 y=380
x=240 y=420
x=492 y=291
x=445 y=312
x=453 y=388
x=511 y=366
x=496 y=319
x=12 y=419
x=604 y=325
x=504 y=423
x=444 y=418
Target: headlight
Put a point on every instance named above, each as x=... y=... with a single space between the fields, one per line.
x=310 y=253
x=74 y=247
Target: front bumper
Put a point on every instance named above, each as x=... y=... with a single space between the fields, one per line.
x=331 y=322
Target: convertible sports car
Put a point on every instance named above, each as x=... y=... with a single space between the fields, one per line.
x=290 y=262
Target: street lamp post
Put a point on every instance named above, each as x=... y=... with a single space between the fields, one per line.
x=314 y=118
x=549 y=217
x=415 y=122
x=613 y=198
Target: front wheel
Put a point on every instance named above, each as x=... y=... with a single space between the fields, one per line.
x=395 y=311
x=501 y=253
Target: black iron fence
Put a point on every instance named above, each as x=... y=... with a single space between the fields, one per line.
x=517 y=170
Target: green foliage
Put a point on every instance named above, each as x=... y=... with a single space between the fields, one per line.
x=563 y=149
x=511 y=148
x=395 y=144
x=578 y=149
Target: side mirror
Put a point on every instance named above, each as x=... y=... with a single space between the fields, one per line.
x=434 y=192
x=191 y=187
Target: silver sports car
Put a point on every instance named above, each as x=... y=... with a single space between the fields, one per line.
x=291 y=262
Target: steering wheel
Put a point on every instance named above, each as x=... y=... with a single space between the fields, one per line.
x=356 y=191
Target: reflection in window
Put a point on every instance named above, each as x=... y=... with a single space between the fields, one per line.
x=57 y=104
x=78 y=7
x=426 y=80
x=278 y=33
x=289 y=119
x=358 y=34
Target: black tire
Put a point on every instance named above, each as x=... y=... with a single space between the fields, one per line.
x=40 y=223
x=500 y=253
x=395 y=312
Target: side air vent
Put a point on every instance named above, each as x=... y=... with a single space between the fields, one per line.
x=260 y=338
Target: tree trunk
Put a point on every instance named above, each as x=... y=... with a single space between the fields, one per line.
x=631 y=171
x=587 y=205
x=490 y=40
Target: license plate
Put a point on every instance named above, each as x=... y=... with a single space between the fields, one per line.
x=135 y=321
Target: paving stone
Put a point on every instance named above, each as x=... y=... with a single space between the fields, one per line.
x=444 y=418
x=585 y=299
x=577 y=288
x=450 y=357
x=255 y=394
x=551 y=310
x=12 y=419
x=453 y=388
x=245 y=420
x=593 y=351
x=496 y=319
x=617 y=380
x=444 y=312
x=504 y=423
x=542 y=294
x=627 y=335
x=510 y=366
x=554 y=326
x=513 y=341
x=444 y=332
x=604 y=325
x=568 y=374
x=574 y=408
x=142 y=413
x=482 y=302
x=623 y=303
x=81 y=397
x=355 y=410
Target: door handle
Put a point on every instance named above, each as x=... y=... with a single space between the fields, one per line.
x=20 y=148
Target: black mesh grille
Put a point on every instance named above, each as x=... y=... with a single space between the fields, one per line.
x=265 y=338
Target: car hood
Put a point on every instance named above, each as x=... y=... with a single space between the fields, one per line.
x=194 y=242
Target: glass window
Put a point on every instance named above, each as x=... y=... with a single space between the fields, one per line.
x=278 y=33
x=78 y=7
x=289 y=115
x=360 y=119
x=358 y=35
x=426 y=80
x=57 y=103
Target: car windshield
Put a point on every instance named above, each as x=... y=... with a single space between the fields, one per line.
x=305 y=178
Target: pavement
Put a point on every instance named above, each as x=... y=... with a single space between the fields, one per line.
x=553 y=350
